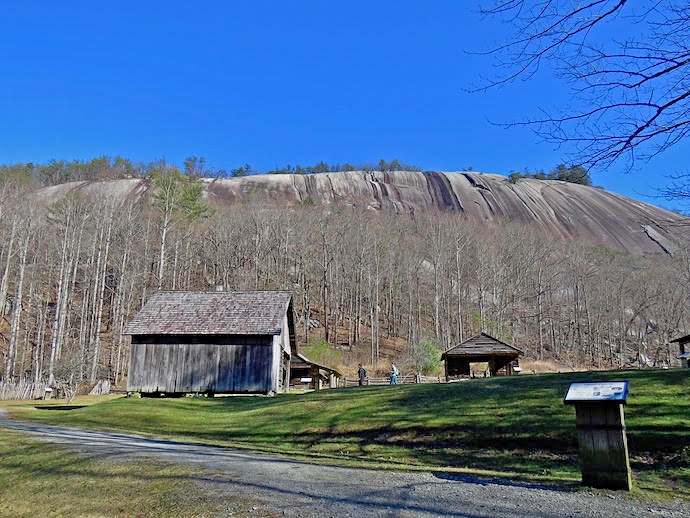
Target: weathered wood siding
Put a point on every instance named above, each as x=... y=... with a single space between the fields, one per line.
x=245 y=366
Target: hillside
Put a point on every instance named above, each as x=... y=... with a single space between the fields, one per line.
x=376 y=263
x=567 y=211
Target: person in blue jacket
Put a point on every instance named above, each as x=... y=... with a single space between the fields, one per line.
x=394 y=374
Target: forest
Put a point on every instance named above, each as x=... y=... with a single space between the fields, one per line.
x=55 y=172
x=367 y=284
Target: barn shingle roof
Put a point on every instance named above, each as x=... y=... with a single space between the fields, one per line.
x=211 y=313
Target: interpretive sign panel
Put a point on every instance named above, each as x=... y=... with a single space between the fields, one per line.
x=613 y=391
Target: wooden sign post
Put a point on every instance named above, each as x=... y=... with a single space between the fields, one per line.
x=603 y=445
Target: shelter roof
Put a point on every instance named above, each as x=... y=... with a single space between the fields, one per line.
x=482 y=345
x=299 y=360
x=212 y=313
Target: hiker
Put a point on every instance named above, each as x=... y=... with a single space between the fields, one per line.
x=361 y=374
x=394 y=374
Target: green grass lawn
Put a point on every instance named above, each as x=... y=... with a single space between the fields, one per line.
x=41 y=479
x=511 y=426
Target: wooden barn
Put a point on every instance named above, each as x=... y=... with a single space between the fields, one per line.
x=227 y=342
x=500 y=357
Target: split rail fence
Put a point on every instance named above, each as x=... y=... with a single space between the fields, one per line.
x=22 y=390
x=385 y=380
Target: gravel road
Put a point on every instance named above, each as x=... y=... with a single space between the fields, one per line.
x=283 y=487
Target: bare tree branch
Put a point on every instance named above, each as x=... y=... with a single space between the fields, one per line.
x=633 y=94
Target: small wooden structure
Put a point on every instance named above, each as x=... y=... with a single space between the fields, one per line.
x=684 y=350
x=501 y=357
x=309 y=374
x=603 y=443
x=212 y=342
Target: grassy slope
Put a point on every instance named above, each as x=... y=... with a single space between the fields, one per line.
x=514 y=426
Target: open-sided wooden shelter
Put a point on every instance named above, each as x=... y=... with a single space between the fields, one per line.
x=683 y=349
x=307 y=373
x=482 y=348
x=212 y=342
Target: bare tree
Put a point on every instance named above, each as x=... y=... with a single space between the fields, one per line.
x=26 y=233
x=69 y=217
x=632 y=90
x=127 y=231
x=99 y=278
x=175 y=197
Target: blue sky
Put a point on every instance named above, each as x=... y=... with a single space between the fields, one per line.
x=273 y=83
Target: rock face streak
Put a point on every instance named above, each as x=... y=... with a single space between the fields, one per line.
x=566 y=210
